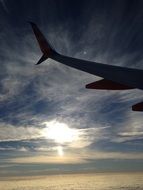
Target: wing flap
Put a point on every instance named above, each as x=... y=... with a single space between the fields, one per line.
x=138 y=107
x=107 y=85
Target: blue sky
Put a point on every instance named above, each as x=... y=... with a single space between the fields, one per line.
x=49 y=122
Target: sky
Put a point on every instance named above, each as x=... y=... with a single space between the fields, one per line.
x=49 y=121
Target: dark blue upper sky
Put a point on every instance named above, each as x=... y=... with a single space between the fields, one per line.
x=48 y=120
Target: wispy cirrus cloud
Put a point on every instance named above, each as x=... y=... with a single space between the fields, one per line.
x=31 y=95
x=3 y=3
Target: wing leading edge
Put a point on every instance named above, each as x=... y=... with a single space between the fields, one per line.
x=114 y=77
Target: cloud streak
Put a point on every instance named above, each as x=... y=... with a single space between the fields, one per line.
x=31 y=95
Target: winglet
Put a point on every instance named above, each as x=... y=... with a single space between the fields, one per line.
x=43 y=58
x=45 y=46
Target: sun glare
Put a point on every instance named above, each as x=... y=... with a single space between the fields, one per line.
x=60 y=151
x=59 y=132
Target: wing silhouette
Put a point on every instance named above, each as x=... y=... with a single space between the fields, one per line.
x=114 y=77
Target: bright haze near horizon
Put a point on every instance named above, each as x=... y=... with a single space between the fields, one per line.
x=49 y=121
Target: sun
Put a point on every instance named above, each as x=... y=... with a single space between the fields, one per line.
x=59 y=132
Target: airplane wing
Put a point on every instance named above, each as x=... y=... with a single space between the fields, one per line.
x=114 y=77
